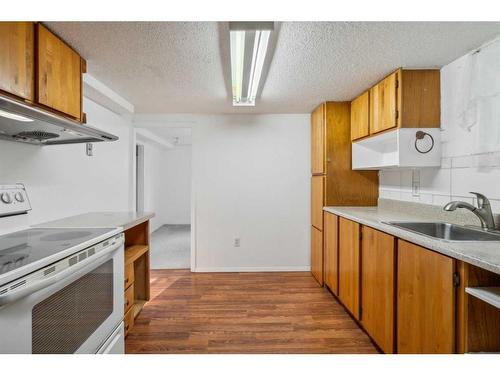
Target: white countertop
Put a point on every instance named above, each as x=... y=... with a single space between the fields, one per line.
x=483 y=254
x=124 y=220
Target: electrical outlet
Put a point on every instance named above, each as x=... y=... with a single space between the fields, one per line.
x=236 y=242
x=89 y=149
x=415 y=183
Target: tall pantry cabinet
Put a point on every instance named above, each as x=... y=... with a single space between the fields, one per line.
x=333 y=182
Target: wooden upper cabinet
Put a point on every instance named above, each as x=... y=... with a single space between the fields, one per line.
x=420 y=98
x=331 y=252
x=318 y=140
x=425 y=301
x=405 y=99
x=360 y=116
x=59 y=74
x=383 y=104
x=349 y=265
x=317 y=254
x=378 y=282
x=17 y=59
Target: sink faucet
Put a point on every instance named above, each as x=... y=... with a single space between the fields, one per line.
x=482 y=211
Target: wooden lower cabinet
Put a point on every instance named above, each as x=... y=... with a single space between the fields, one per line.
x=425 y=301
x=478 y=322
x=129 y=298
x=128 y=320
x=331 y=252
x=317 y=201
x=349 y=265
x=317 y=254
x=378 y=283
x=136 y=282
x=409 y=299
x=129 y=275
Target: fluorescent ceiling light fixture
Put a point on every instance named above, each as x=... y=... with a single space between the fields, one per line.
x=13 y=116
x=249 y=43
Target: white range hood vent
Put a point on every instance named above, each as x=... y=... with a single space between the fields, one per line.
x=21 y=122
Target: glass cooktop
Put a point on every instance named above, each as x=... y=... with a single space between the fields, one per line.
x=21 y=248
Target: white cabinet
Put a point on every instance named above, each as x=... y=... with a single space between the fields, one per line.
x=398 y=149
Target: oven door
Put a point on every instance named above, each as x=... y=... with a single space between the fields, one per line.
x=75 y=314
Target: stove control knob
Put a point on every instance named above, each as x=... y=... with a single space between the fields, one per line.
x=6 y=198
x=19 y=197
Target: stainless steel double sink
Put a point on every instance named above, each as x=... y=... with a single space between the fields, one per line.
x=447 y=231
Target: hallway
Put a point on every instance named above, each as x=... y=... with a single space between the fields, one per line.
x=171 y=247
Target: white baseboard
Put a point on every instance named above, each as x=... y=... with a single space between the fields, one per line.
x=253 y=269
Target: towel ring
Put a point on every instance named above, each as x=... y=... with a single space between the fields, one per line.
x=424 y=142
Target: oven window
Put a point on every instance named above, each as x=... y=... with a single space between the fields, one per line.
x=65 y=320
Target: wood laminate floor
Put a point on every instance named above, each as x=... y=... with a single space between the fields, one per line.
x=272 y=312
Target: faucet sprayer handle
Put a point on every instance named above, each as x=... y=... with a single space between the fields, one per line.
x=481 y=199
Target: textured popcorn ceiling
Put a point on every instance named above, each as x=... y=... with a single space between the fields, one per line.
x=176 y=67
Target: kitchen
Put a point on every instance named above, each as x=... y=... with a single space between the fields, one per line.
x=343 y=195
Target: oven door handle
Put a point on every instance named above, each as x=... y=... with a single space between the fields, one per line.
x=32 y=288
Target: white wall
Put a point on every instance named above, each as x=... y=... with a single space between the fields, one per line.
x=250 y=176
x=154 y=157
x=471 y=146
x=63 y=181
x=176 y=175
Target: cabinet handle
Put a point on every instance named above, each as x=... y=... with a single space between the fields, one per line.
x=128 y=303
x=126 y=327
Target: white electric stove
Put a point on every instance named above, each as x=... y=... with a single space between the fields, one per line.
x=61 y=290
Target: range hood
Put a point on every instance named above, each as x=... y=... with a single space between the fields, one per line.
x=22 y=122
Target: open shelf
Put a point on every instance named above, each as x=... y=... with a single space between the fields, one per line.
x=134 y=252
x=488 y=294
x=395 y=149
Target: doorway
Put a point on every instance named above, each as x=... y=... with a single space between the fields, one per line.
x=166 y=191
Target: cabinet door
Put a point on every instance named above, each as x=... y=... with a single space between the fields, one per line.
x=17 y=59
x=378 y=265
x=383 y=104
x=331 y=250
x=318 y=140
x=59 y=74
x=317 y=202
x=360 y=116
x=349 y=265
x=426 y=300
x=317 y=254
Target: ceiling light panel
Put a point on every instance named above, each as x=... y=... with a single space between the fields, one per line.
x=249 y=44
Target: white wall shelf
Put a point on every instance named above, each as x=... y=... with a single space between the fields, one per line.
x=395 y=149
x=490 y=295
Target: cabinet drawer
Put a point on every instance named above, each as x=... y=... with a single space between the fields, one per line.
x=128 y=321
x=129 y=275
x=129 y=298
